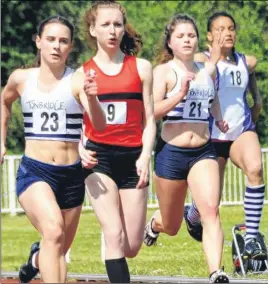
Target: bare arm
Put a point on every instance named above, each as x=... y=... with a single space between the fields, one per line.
x=87 y=90
x=253 y=88
x=215 y=109
x=149 y=131
x=256 y=108
x=161 y=105
x=251 y=63
x=216 y=113
x=9 y=95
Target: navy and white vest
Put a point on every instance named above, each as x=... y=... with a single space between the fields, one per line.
x=54 y=115
x=195 y=106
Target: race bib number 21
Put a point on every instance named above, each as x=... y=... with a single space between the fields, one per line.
x=196 y=109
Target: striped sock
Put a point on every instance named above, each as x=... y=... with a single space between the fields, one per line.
x=193 y=215
x=253 y=204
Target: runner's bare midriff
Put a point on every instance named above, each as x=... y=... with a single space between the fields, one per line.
x=189 y=135
x=52 y=152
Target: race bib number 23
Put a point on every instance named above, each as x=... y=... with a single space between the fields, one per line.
x=49 y=122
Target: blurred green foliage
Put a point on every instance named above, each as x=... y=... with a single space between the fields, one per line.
x=20 y=20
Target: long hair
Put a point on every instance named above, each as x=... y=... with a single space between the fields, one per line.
x=131 y=42
x=165 y=54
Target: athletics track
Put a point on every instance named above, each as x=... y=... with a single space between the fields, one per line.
x=12 y=277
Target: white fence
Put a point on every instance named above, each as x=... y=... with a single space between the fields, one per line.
x=233 y=192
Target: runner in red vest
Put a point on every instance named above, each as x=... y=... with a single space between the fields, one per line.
x=118 y=184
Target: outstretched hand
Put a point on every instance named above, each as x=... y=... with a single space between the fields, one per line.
x=88 y=157
x=222 y=125
x=90 y=84
x=185 y=83
x=215 y=47
x=143 y=171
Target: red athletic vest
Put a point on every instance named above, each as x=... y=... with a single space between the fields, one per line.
x=121 y=98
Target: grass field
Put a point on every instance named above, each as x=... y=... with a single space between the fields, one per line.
x=180 y=255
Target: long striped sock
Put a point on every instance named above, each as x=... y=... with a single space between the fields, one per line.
x=193 y=215
x=253 y=204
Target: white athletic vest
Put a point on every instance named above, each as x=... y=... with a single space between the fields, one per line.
x=54 y=115
x=195 y=106
x=232 y=83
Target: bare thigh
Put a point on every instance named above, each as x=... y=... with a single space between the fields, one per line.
x=171 y=197
x=104 y=197
x=41 y=207
x=245 y=153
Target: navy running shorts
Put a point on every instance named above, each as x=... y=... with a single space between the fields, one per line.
x=67 y=182
x=117 y=162
x=222 y=148
x=174 y=163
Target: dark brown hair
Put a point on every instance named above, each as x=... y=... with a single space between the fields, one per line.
x=166 y=52
x=131 y=42
x=40 y=29
x=217 y=15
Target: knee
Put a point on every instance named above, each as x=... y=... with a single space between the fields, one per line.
x=114 y=238
x=209 y=212
x=132 y=248
x=54 y=233
x=132 y=252
x=254 y=172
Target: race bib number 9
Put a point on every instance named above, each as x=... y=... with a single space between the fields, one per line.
x=116 y=112
x=49 y=122
x=196 y=109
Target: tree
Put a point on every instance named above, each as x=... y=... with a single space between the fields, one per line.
x=20 y=20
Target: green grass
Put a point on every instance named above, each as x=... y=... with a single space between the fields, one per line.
x=178 y=255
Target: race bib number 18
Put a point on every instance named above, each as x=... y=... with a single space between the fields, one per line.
x=235 y=78
x=116 y=112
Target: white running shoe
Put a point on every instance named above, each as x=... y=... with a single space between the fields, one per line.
x=150 y=237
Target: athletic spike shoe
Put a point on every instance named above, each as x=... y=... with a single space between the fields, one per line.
x=150 y=237
x=218 y=276
x=195 y=231
x=27 y=271
x=253 y=250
